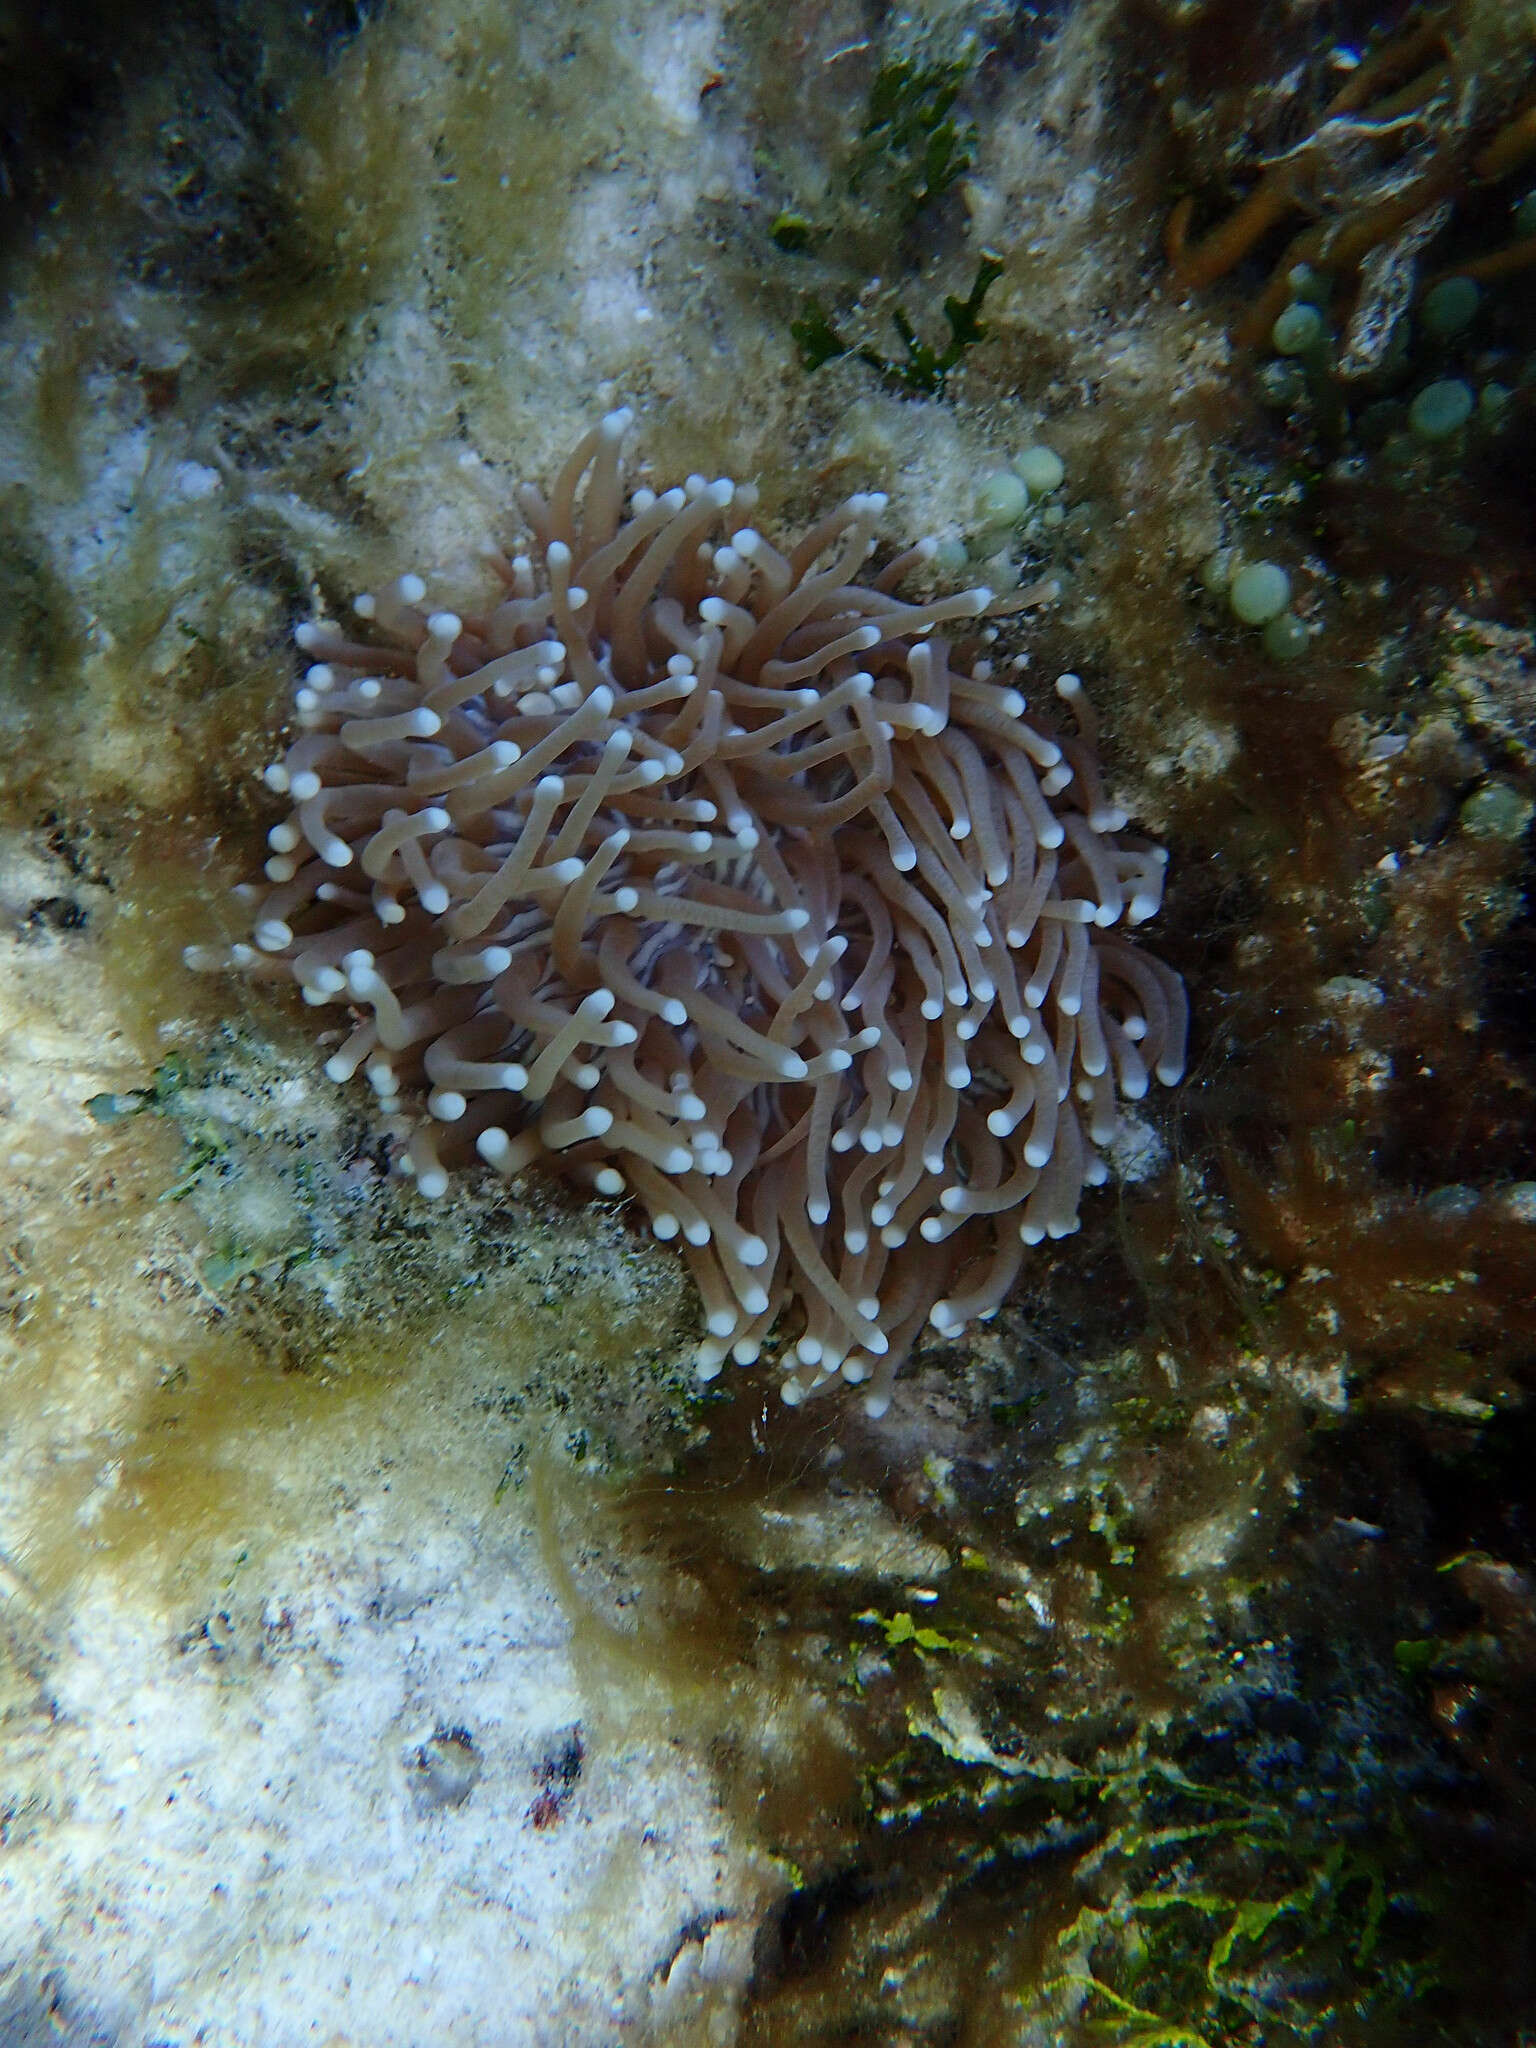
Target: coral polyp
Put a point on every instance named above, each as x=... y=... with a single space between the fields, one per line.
x=705 y=873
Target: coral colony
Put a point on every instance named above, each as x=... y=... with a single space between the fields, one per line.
x=710 y=875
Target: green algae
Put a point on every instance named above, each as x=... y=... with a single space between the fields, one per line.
x=911 y=137
x=921 y=368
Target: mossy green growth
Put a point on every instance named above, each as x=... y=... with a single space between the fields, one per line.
x=1416 y=1656
x=910 y=151
x=791 y=232
x=925 y=369
x=165 y=1083
x=901 y=1628
x=910 y=132
x=1214 y=1916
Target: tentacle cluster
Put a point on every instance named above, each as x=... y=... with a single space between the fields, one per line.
x=708 y=874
